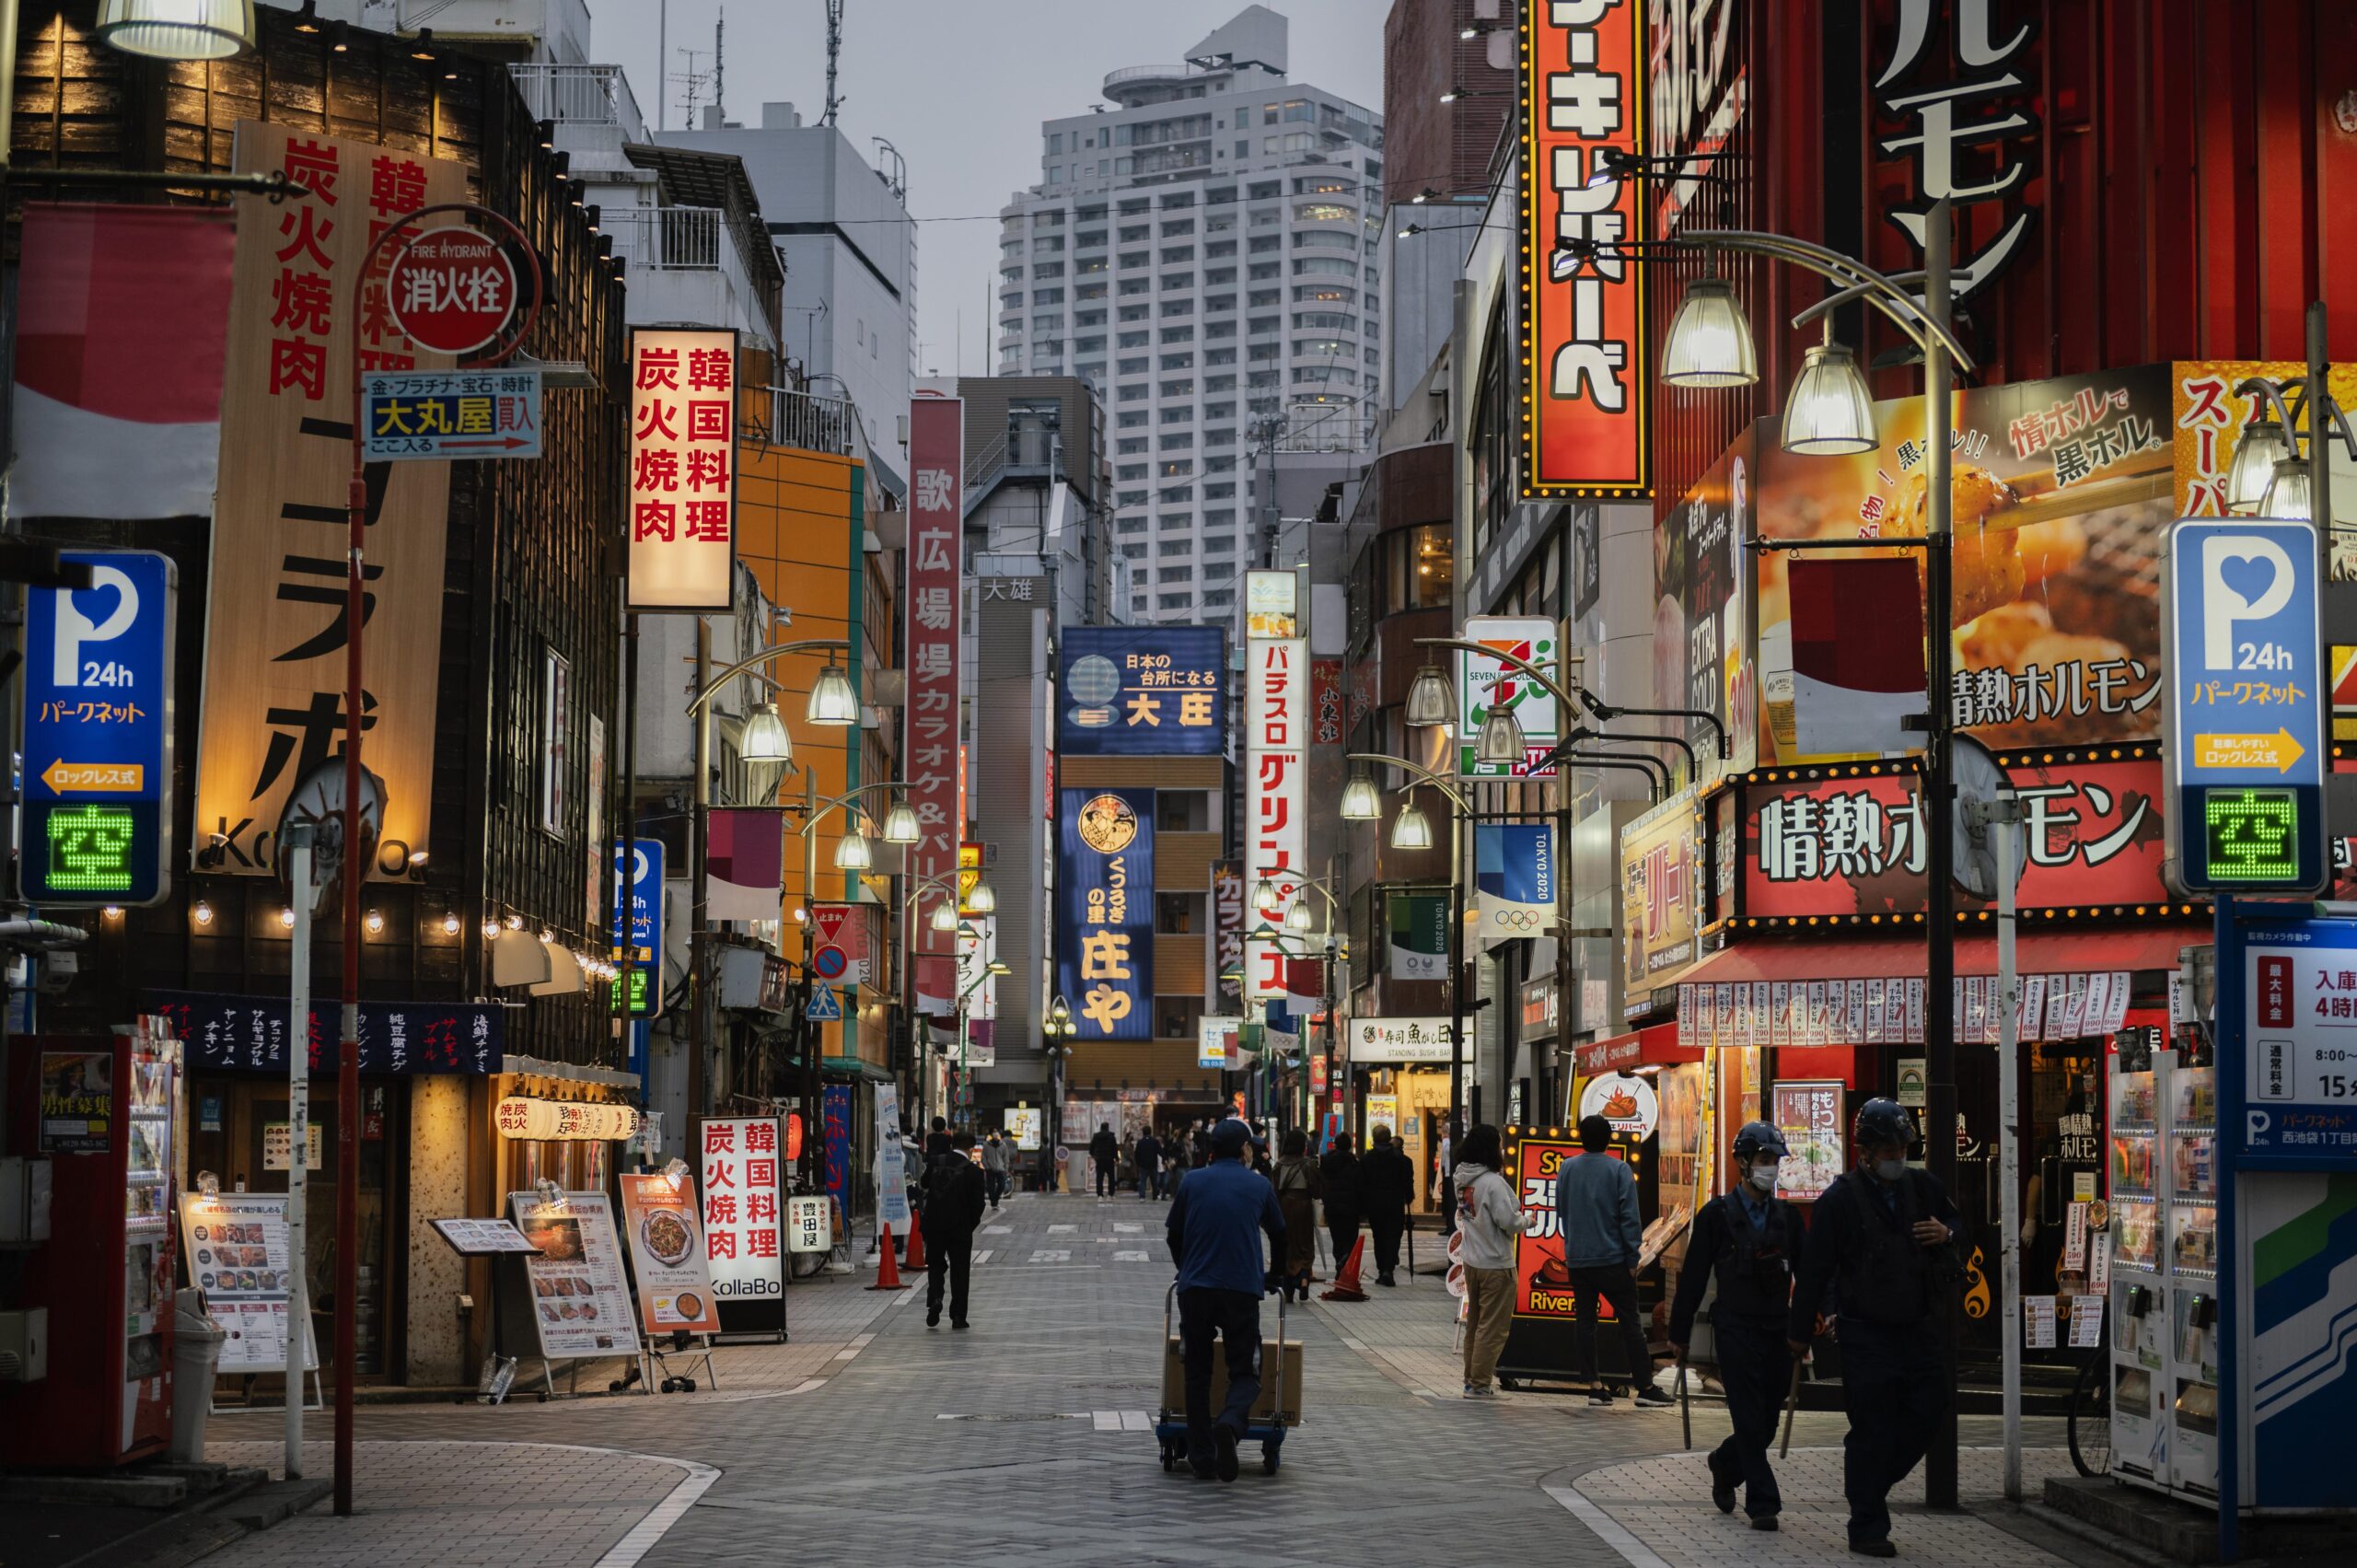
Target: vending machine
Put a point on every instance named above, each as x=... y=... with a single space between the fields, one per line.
x=100 y=1109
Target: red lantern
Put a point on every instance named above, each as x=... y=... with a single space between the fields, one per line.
x=794 y=1136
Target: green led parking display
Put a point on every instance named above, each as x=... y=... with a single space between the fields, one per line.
x=2252 y=834
x=637 y=991
x=90 y=849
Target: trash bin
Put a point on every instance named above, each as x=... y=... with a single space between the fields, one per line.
x=196 y=1358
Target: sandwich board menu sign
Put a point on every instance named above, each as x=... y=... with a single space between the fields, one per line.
x=236 y=1250
x=580 y=1298
x=666 y=1251
x=744 y=1231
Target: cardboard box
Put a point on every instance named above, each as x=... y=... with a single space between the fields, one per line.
x=1174 y=1381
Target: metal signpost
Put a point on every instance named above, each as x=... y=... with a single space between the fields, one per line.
x=96 y=738
x=407 y=415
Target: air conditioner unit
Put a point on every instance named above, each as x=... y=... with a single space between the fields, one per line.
x=24 y=1345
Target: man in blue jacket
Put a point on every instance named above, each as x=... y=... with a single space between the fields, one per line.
x=1216 y=1218
x=1595 y=1209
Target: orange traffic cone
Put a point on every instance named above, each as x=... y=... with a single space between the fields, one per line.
x=887 y=1263
x=913 y=1259
x=1346 y=1278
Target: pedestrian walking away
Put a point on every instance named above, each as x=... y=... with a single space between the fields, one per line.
x=1389 y=1182
x=1883 y=1242
x=1345 y=1196
x=1149 y=1161
x=1444 y=1200
x=954 y=1195
x=1489 y=1219
x=1104 y=1152
x=1595 y=1211
x=1216 y=1220
x=1298 y=1188
x=1742 y=1250
x=994 y=1167
x=1173 y=1164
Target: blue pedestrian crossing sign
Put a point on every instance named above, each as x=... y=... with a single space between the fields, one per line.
x=824 y=1009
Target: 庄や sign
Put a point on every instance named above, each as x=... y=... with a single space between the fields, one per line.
x=406 y=415
x=682 y=470
x=97 y=733
x=1105 y=918
x=2246 y=691
x=1583 y=84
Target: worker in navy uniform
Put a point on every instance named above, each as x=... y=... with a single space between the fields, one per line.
x=1882 y=1243
x=1745 y=1242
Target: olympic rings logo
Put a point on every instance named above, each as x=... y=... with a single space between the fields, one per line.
x=1518 y=919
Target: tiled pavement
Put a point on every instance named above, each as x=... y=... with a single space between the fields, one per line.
x=1024 y=1441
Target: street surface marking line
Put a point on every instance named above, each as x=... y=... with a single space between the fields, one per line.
x=1137 y=1421
x=1106 y=1421
x=1606 y=1528
x=1133 y=1256
x=1130 y=1229
x=1062 y=1230
x=846 y=1354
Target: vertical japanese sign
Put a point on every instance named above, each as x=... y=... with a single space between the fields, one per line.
x=1585 y=408
x=937 y=465
x=640 y=882
x=1227 y=933
x=1276 y=837
x=834 y=1112
x=1661 y=892
x=1105 y=913
x=275 y=645
x=1964 y=132
x=682 y=470
x=97 y=733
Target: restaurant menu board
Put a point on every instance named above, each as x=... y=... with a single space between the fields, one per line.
x=744 y=1227
x=579 y=1294
x=477 y=1238
x=1808 y=1113
x=667 y=1254
x=1022 y=1126
x=237 y=1247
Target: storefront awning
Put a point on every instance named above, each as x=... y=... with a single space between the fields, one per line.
x=2043 y=952
x=1654 y=1047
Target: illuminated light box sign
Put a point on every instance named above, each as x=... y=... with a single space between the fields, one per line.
x=1145 y=691
x=97 y=737
x=2251 y=835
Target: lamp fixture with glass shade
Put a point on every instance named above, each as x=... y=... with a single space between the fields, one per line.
x=980 y=898
x=1361 y=801
x=1432 y=700
x=1411 y=829
x=832 y=701
x=1298 y=919
x=854 y=852
x=1499 y=742
x=2263 y=446
x=765 y=738
x=1710 y=341
x=178 y=29
x=1265 y=896
x=1831 y=411
x=944 y=916
x=900 y=826
x=2291 y=493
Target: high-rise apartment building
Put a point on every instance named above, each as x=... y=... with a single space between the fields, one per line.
x=1203 y=247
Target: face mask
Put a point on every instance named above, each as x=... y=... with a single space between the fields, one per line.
x=1890 y=1170
x=1763 y=1177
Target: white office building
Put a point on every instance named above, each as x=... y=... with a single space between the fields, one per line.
x=1203 y=246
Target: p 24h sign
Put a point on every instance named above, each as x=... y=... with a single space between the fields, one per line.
x=2245 y=735
x=97 y=733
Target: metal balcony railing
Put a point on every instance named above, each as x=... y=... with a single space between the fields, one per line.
x=589 y=95
x=808 y=423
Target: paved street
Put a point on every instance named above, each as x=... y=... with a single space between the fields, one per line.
x=1023 y=1441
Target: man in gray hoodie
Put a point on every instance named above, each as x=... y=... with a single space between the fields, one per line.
x=1489 y=1219
x=1595 y=1209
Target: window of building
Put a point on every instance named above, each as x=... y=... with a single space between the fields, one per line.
x=1219 y=437
x=1174 y=574
x=1131 y=498
x=1324 y=266
x=1176 y=226
x=1325 y=239
x=1171 y=549
x=1219 y=599
x=1131 y=447
x=1131 y=393
x=1129 y=553
x=1177 y=602
x=1129 y=525
x=1171 y=253
x=1134 y=312
x=1214 y=302
x=1263 y=244
x=1262 y=269
x=1178 y=308
x=1130 y=419
x=1180 y=413
x=1178 y=468
x=1182 y=387
x=1221 y=355
x=1184 y=442
x=1324 y=212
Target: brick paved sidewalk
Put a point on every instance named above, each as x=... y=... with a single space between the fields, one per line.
x=441 y=1502
x=1657 y=1513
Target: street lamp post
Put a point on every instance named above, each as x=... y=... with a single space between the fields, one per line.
x=1413 y=831
x=944 y=918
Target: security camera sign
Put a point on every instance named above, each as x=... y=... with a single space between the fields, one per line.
x=2244 y=737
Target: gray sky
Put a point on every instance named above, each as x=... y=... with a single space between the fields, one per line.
x=960 y=87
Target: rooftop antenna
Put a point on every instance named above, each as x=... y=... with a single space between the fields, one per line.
x=834 y=53
x=719 y=62
x=691 y=82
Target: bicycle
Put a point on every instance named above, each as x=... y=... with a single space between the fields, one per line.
x=2090 y=1415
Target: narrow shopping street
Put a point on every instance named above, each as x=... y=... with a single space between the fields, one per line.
x=870 y=1439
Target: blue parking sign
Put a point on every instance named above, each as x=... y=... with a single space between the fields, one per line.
x=2245 y=734
x=97 y=736
x=642 y=885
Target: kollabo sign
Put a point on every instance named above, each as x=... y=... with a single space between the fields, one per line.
x=682 y=470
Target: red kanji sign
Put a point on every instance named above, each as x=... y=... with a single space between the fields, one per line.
x=452 y=290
